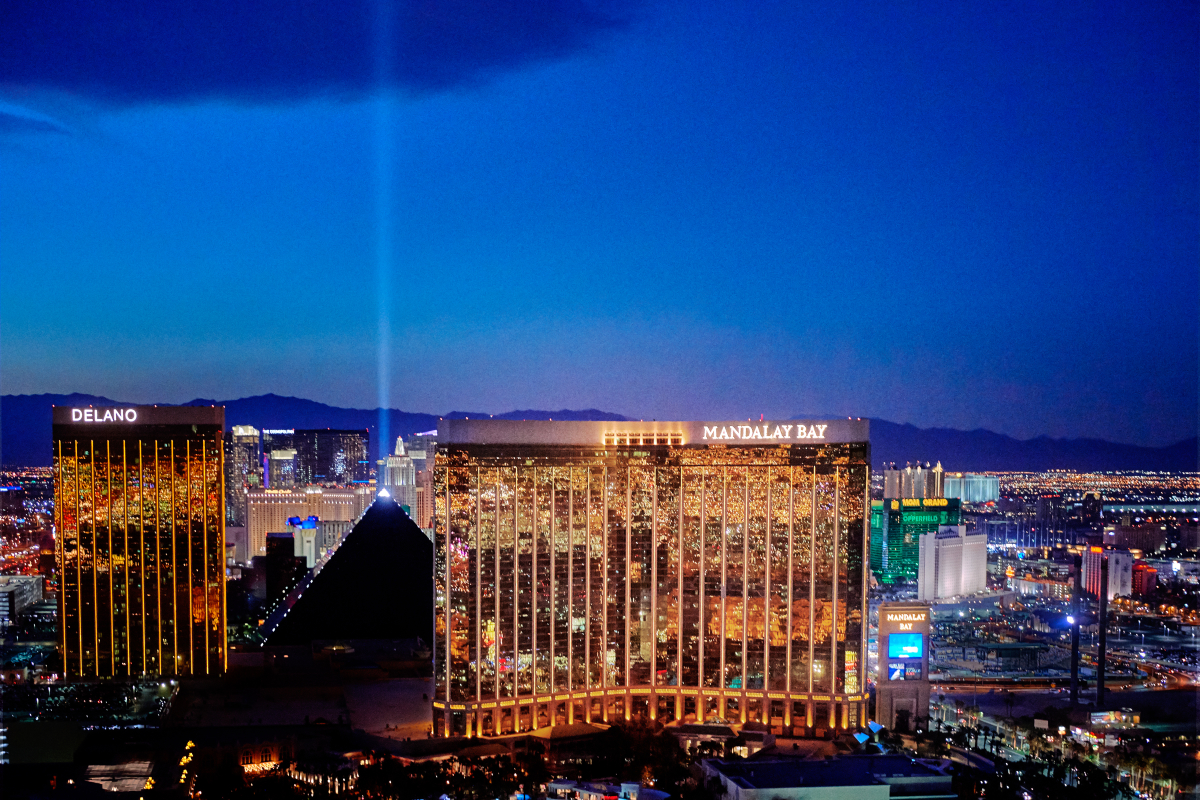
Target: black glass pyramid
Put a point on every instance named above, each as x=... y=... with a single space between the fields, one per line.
x=378 y=585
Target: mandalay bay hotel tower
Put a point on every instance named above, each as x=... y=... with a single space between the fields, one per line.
x=139 y=516
x=596 y=571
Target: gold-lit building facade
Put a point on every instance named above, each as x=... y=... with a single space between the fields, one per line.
x=593 y=571
x=140 y=540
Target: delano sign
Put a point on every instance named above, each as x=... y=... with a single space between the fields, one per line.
x=133 y=418
x=104 y=415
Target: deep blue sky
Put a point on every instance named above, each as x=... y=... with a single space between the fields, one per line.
x=937 y=213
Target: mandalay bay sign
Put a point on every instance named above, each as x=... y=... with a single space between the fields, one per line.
x=767 y=431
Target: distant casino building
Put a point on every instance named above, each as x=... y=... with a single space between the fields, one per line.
x=896 y=528
x=589 y=571
x=140 y=546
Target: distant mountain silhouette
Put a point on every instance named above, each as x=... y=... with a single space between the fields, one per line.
x=25 y=435
x=378 y=585
x=25 y=420
x=981 y=450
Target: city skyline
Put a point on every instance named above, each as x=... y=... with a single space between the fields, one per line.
x=960 y=218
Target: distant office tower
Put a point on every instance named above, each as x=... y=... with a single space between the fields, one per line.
x=952 y=563
x=1149 y=538
x=12 y=500
x=268 y=510
x=665 y=570
x=401 y=478
x=140 y=551
x=278 y=439
x=1092 y=507
x=1120 y=572
x=243 y=469
x=332 y=457
x=17 y=593
x=423 y=447
x=896 y=528
x=424 y=509
x=281 y=469
x=973 y=488
x=913 y=481
x=1145 y=579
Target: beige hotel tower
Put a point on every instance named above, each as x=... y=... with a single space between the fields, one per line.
x=595 y=571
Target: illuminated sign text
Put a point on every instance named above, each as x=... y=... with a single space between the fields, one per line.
x=103 y=414
x=746 y=432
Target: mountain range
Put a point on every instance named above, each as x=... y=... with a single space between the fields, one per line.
x=25 y=435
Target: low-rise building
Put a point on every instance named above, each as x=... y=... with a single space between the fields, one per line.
x=17 y=593
x=852 y=777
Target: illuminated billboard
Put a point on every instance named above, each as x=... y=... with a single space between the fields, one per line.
x=906 y=645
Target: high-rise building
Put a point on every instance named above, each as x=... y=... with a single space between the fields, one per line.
x=896 y=528
x=664 y=570
x=281 y=469
x=1145 y=579
x=139 y=511
x=268 y=510
x=243 y=469
x=1120 y=572
x=423 y=449
x=914 y=481
x=951 y=563
x=972 y=487
x=332 y=457
x=400 y=478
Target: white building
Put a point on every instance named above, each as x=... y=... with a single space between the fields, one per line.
x=951 y=563
x=972 y=487
x=401 y=476
x=1120 y=572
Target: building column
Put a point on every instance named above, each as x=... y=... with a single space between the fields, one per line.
x=845 y=715
x=808 y=714
x=679 y=708
x=832 y=715
x=470 y=720
x=653 y=701
x=787 y=713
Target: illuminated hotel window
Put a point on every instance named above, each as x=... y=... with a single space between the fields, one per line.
x=651 y=438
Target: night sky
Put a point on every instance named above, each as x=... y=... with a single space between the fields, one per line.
x=944 y=213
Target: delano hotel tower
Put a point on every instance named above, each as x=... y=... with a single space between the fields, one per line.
x=140 y=545
x=594 y=571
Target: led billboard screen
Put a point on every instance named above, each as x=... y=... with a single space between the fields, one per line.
x=906 y=645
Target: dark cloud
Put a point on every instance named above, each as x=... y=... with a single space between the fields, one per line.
x=134 y=51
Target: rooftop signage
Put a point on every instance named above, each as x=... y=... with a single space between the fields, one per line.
x=134 y=416
x=642 y=433
x=764 y=431
x=103 y=414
